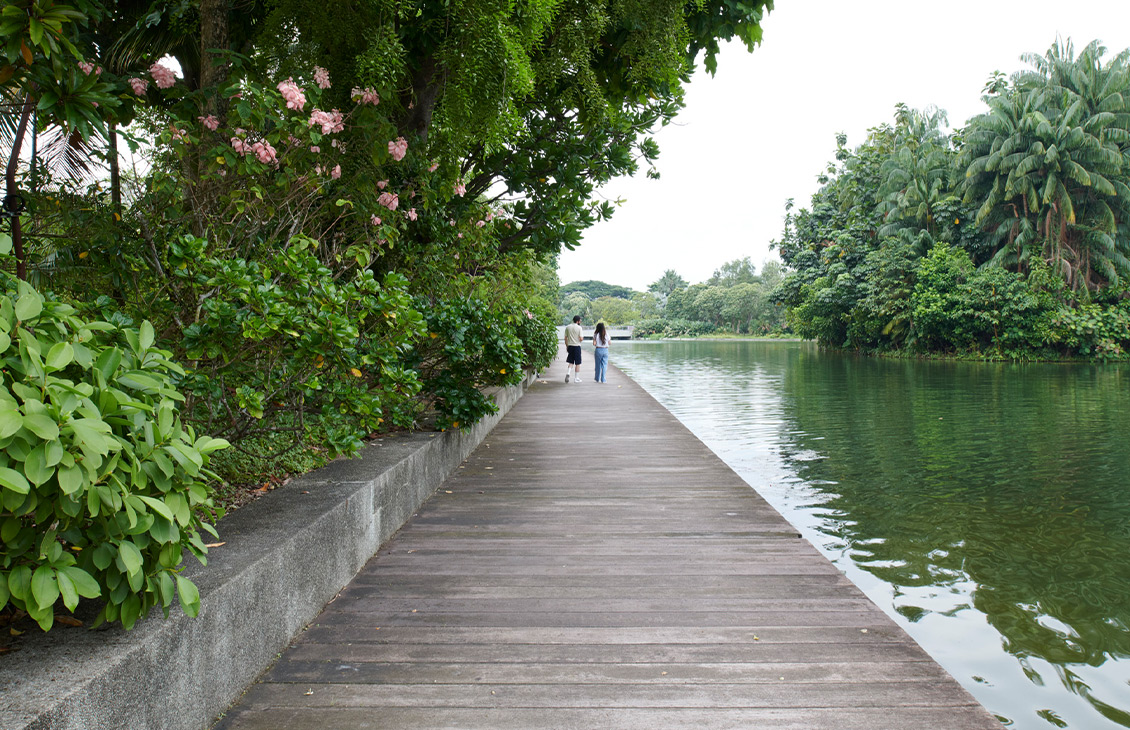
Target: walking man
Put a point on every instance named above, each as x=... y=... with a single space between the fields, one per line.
x=573 y=347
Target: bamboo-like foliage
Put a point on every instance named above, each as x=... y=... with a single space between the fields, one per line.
x=1049 y=165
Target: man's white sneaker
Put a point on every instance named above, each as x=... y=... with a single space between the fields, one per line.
x=576 y=380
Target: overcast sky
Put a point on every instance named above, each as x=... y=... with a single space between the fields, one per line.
x=762 y=129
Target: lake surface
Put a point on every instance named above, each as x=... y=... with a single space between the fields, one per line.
x=986 y=507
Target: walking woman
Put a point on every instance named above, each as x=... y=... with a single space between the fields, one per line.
x=600 y=343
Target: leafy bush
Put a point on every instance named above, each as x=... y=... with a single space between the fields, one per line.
x=539 y=340
x=1096 y=330
x=102 y=488
x=469 y=347
x=286 y=338
x=672 y=328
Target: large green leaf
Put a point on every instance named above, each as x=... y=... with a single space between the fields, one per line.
x=13 y=480
x=44 y=587
x=131 y=557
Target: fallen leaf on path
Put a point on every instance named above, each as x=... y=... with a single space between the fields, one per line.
x=67 y=620
x=214 y=544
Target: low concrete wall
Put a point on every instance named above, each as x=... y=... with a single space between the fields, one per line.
x=285 y=556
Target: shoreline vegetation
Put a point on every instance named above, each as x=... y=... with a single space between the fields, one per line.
x=1007 y=238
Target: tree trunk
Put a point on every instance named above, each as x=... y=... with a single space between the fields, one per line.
x=11 y=192
x=426 y=85
x=213 y=36
x=115 y=170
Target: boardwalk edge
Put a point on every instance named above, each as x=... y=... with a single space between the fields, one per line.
x=283 y=559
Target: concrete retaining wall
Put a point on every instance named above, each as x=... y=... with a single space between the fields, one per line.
x=285 y=556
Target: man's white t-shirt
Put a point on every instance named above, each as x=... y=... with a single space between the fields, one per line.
x=573 y=334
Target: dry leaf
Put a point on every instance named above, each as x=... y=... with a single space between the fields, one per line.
x=15 y=632
x=214 y=544
x=68 y=620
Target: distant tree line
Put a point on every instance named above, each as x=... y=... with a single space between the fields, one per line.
x=736 y=300
x=1009 y=237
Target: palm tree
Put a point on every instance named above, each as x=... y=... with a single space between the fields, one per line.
x=916 y=175
x=1049 y=165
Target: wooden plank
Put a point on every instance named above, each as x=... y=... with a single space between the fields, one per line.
x=591 y=565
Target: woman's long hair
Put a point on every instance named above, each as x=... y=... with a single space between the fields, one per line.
x=603 y=335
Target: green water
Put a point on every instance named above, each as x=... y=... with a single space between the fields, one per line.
x=984 y=506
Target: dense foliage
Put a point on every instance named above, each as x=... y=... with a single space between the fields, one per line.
x=1007 y=238
x=339 y=218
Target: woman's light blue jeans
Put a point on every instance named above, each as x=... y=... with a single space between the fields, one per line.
x=601 y=365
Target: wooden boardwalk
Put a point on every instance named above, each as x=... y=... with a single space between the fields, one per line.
x=593 y=565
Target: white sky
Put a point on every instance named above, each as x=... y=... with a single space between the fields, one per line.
x=763 y=128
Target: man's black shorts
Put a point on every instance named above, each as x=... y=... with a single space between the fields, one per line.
x=574 y=356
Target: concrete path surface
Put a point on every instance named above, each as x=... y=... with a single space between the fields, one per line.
x=594 y=565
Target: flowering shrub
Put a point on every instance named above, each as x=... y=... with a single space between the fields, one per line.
x=102 y=488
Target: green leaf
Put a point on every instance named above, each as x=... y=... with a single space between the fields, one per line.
x=5 y=244
x=13 y=480
x=35 y=466
x=4 y=594
x=131 y=557
x=28 y=306
x=44 y=587
x=147 y=335
x=71 y=479
x=84 y=584
x=67 y=591
x=60 y=355
x=42 y=426
x=10 y=419
x=19 y=582
x=108 y=362
x=189 y=596
x=158 y=506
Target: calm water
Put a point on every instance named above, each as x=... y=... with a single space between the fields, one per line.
x=986 y=507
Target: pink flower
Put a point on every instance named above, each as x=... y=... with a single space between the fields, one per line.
x=451 y=221
x=321 y=77
x=529 y=314
x=460 y=189
x=210 y=122
x=265 y=152
x=480 y=224
x=292 y=92
x=336 y=172
x=412 y=214
x=375 y=220
x=178 y=134
x=364 y=96
x=87 y=67
x=433 y=167
x=489 y=215
x=457 y=255
x=382 y=184
x=398 y=148
x=240 y=146
x=163 y=77
x=389 y=200
x=329 y=121
x=460 y=235
x=315 y=148
x=139 y=86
